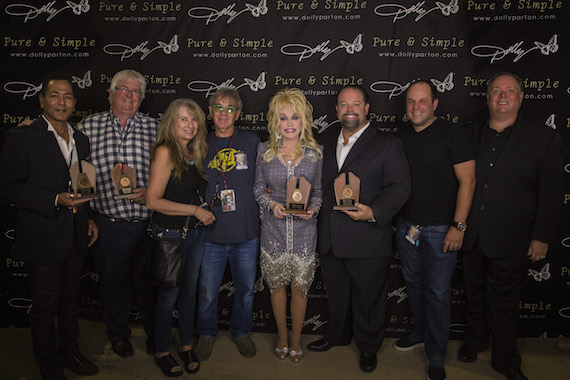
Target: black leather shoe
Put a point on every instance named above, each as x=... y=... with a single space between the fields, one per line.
x=510 y=374
x=368 y=362
x=150 y=345
x=122 y=347
x=320 y=345
x=79 y=364
x=466 y=354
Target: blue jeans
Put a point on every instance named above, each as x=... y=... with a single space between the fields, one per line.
x=242 y=258
x=185 y=294
x=428 y=271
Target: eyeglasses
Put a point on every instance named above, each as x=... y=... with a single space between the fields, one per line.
x=125 y=90
x=219 y=108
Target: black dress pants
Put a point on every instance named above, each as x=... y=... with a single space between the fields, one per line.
x=356 y=299
x=494 y=287
x=54 y=290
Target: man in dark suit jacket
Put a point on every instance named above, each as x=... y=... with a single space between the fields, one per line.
x=52 y=227
x=356 y=246
x=513 y=218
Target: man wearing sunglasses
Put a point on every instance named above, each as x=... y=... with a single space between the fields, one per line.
x=234 y=237
x=121 y=138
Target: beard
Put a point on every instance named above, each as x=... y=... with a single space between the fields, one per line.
x=352 y=124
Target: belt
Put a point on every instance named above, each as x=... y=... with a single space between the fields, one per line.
x=127 y=220
x=123 y=220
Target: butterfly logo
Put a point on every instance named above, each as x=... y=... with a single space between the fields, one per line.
x=448 y=9
x=543 y=274
x=84 y=82
x=258 y=84
x=551 y=121
x=550 y=47
x=353 y=47
x=261 y=8
x=445 y=85
x=78 y=8
x=171 y=47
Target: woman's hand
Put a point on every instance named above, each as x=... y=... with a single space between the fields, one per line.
x=277 y=209
x=204 y=216
x=311 y=210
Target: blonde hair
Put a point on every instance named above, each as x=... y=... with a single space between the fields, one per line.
x=294 y=98
x=197 y=147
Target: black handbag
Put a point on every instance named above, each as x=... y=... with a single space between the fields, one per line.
x=161 y=263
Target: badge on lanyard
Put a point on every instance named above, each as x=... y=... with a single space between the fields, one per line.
x=228 y=197
x=413 y=235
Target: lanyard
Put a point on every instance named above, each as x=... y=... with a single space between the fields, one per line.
x=223 y=165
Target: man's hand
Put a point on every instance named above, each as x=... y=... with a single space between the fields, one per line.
x=92 y=232
x=71 y=200
x=453 y=240
x=364 y=212
x=139 y=195
x=537 y=250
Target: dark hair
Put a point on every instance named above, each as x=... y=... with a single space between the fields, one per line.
x=354 y=87
x=508 y=74
x=431 y=87
x=45 y=83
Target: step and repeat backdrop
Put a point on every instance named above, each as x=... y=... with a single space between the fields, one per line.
x=190 y=48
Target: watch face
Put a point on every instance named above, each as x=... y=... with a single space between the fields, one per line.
x=460 y=226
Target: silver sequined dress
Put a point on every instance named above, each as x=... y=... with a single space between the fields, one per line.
x=288 y=245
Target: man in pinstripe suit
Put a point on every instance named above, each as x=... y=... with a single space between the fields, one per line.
x=356 y=246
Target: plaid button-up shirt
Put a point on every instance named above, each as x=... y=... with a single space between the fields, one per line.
x=110 y=144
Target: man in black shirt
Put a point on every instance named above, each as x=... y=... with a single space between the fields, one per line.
x=432 y=224
x=514 y=216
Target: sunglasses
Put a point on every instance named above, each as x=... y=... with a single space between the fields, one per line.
x=219 y=108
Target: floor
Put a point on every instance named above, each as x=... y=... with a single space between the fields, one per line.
x=540 y=360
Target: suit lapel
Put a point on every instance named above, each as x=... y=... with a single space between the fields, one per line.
x=50 y=143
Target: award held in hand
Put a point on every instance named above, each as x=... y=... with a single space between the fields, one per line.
x=298 y=190
x=83 y=176
x=124 y=179
x=347 y=191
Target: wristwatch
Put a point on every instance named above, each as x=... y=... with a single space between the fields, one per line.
x=461 y=226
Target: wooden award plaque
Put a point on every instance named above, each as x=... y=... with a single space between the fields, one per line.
x=298 y=191
x=347 y=191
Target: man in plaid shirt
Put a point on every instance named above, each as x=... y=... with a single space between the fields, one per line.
x=122 y=136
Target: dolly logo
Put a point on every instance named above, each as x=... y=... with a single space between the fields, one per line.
x=399 y=11
x=395 y=88
x=315 y=321
x=398 y=293
x=564 y=312
x=322 y=123
x=306 y=51
x=29 y=12
x=496 y=53
x=543 y=274
x=26 y=89
x=10 y=234
x=210 y=87
x=211 y=14
x=126 y=51
x=84 y=82
x=92 y=275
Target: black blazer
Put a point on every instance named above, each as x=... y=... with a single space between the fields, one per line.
x=521 y=198
x=32 y=172
x=378 y=159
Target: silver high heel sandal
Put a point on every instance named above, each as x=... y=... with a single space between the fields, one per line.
x=281 y=353
x=296 y=356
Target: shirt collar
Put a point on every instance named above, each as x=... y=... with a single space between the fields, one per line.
x=354 y=137
x=50 y=127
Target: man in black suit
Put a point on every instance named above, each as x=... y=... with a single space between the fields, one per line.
x=356 y=246
x=52 y=226
x=513 y=218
